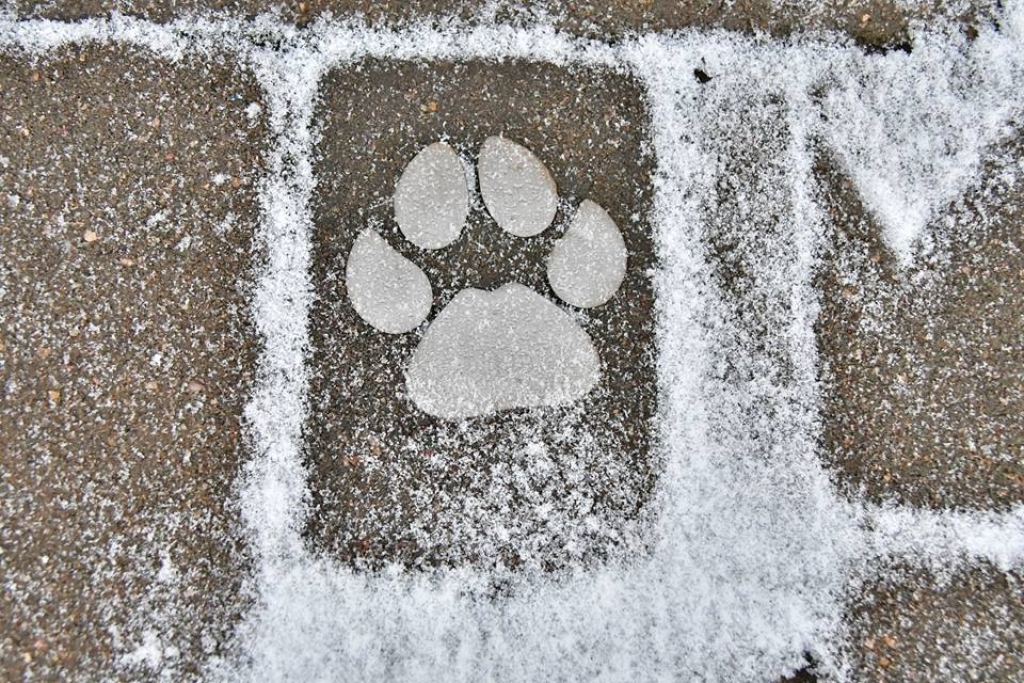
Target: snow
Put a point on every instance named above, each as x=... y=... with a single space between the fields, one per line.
x=491 y=351
x=912 y=129
x=149 y=653
x=943 y=539
x=749 y=545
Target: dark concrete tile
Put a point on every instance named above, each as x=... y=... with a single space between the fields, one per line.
x=298 y=11
x=911 y=625
x=393 y=483
x=873 y=23
x=870 y=22
x=127 y=209
x=924 y=370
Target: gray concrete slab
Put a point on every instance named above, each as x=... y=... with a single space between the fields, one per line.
x=873 y=23
x=924 y=369
x=127 y=212
x=297 y=11
x=912 y=625
x=924 y=406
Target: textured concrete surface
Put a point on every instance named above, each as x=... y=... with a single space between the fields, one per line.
x=924 y=369
x=126 y=218
x=924 y=405
x=873 y=23
x=392 y=12
x=913 y=625
x=450 y=492
x=126 y=211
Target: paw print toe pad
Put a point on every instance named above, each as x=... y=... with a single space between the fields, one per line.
x=431 y=198
x=387 y=290
x=517 y=187
x=587 y=265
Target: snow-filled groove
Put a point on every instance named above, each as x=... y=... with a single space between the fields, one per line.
x=945 y=538
x=735 y=587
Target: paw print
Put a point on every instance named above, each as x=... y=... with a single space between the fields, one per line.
x=488 y=351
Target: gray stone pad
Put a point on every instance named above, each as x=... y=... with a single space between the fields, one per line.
x=491 y=351
x=587 y=265
x=386 y=289
x=517 y=188
x=431 y=200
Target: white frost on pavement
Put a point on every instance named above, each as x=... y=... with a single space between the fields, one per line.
x=491 y=351
x=750 y=545
x=943 y=538
x=912 y=129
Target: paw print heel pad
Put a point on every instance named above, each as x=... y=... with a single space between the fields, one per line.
x=491 y=351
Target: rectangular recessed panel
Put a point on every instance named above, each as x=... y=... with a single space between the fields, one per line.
x=542 y=486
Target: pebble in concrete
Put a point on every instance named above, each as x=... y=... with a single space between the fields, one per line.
x=588 y=263
x=492 y=351
x=431 y=198
x=388 y=291
x=517 y=188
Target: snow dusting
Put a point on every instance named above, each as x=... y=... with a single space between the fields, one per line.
x=912 y=129
x=749 y=547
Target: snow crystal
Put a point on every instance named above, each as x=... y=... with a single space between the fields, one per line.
x=253 y=112
x=149 y=653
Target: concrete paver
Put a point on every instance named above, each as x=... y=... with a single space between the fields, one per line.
x=126 y=219
x=126 y=215
x=924 y=369
x=873 y=23
x=912 y=625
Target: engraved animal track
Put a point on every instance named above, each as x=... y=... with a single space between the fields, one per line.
x=488 y=351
